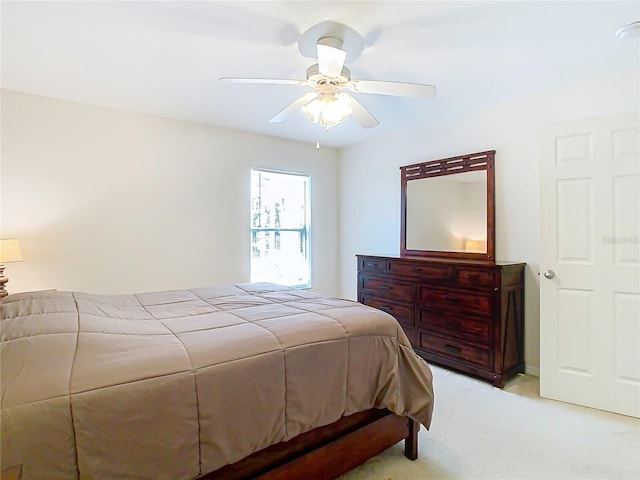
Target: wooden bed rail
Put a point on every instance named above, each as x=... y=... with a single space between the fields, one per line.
x=327 y=452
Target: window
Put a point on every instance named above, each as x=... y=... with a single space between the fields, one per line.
x=280 y=228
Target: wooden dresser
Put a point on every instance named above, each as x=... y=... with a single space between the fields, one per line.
x=462 y=314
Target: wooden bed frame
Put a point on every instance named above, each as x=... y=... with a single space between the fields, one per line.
x=327 y=452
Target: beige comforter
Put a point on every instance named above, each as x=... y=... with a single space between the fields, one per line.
x=176 y=384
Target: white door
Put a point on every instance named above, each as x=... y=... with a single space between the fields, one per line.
x=590 y=263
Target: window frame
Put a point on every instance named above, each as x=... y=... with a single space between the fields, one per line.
x=306 y=228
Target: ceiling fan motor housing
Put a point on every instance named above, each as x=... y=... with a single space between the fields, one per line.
x=332 y=42
x=314 y=75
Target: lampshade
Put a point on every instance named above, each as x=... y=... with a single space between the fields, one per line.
x=328 y=109
x=10 y=250
x=475 y=246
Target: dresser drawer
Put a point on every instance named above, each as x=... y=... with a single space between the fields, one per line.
x=474 y=277
x=458 y=301
x=424 y=270
x=471 y=354
x=372 y=265
x=475 y=330
x=386 y=288
x=402 y=313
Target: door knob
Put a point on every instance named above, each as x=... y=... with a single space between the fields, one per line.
x=549 y=274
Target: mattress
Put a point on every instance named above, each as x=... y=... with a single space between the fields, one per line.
x=175 y=384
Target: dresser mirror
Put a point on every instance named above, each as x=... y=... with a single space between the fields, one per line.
x=448 y=208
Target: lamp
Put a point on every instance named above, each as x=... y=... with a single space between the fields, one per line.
x=475 y=246
x=9 y=252
x=329 y=109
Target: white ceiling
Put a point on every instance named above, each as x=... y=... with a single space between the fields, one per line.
x=166 y=58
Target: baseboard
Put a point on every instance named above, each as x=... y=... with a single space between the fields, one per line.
x=530 y=370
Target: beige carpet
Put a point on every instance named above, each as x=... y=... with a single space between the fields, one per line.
x=481 y=432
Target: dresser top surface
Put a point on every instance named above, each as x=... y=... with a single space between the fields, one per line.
x=456 y=261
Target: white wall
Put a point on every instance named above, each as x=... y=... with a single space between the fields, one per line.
x=370 y=176
x=107 y=201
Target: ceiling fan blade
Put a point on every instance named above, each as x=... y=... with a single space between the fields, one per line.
x=283 y=114
x=330 y=57
x=276 y=81
x=399 y=89
x=361 y=114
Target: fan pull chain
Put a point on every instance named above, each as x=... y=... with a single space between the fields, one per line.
x=318 y=135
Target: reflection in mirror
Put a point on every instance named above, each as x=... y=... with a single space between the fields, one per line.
x=448 y=213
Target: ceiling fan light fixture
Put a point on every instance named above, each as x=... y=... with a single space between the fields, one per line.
x=312 y=110
x=328 y=109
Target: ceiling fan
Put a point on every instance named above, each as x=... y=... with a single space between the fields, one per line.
x=330 y=102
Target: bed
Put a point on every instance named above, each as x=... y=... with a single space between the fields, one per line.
x=230 y=381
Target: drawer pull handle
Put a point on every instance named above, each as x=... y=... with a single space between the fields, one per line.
x=453 y=324
x=452 y=348
x=384 y=287
x=384 y=308
x=452 y=299
x=371 y=265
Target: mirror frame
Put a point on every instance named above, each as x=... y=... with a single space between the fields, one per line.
x=451 y=166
